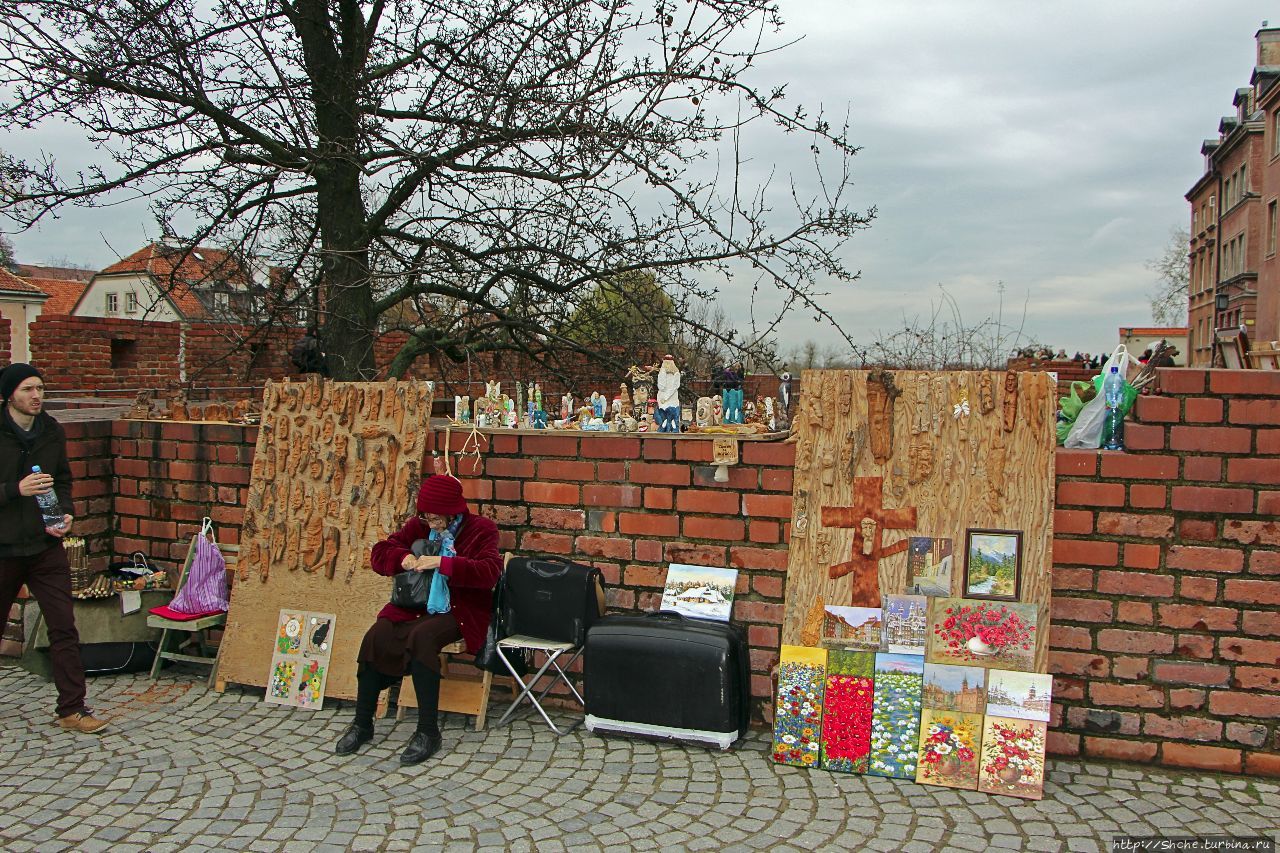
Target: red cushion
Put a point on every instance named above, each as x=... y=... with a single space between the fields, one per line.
x=166 y=612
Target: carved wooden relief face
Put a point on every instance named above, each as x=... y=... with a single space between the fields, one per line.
x=326 y=431
x=868 y=530
x=315 y=469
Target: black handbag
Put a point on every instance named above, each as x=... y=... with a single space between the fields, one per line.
x=551 y=598
x=487 y=659
x=411 y=589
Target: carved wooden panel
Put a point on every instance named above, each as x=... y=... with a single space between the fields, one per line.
x=882 y=456
x=336 y=469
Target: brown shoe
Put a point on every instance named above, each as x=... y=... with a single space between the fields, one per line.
x=85 y=723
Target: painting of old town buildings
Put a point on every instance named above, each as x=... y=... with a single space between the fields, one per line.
x=1024 y=695
x=906 y=624
x=854 y=628
x=955 y=688
x=929 y=563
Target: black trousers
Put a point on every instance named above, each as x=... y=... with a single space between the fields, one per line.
x=48 y=578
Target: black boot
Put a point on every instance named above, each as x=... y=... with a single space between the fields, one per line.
x=352 y=739
x=421 y=747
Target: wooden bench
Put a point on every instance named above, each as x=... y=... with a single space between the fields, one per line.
x=459 y=694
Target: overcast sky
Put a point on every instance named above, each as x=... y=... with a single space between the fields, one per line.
x=1045 y=145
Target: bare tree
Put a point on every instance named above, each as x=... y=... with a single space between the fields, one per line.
x=1169 y=298
x=487 y=163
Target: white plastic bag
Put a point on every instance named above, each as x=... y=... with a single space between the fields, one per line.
x=1087 y=430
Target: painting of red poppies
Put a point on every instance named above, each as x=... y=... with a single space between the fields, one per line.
x=993 y=634
x=895 y=717
x=797 y=721
x=846 y=713
x=1012 y=758
x=949 y=749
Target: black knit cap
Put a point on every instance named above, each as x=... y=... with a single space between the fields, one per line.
x=13 y=376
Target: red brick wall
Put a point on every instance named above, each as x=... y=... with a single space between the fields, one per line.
x=1166 y=611
x=6 y=342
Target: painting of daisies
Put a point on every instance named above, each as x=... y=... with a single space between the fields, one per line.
x=895 y=718
x=949 y=749
x=797 y=724
x=846 y=713
x=1012 y=758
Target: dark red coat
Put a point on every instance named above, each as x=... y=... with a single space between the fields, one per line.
x=472 y=573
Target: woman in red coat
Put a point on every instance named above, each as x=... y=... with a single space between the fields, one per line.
x=409 y=641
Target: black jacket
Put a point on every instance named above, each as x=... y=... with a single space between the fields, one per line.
x=21 y=525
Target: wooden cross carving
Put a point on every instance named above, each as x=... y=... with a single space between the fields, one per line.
x=869 y=516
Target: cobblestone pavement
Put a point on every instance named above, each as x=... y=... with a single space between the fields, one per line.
x=186 y=769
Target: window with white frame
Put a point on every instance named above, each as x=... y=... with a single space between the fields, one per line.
x=113 y=303
x=131 y=302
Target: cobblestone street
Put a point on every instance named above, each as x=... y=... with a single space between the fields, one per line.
x=186 y=769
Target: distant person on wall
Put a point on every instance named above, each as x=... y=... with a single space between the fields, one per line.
x=409 y=641
x=306 y=354
x=30 y=552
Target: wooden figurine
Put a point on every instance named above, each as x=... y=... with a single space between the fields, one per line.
x=986 y=393
x=921 y=417
x=1010 y=400
x=800 y=524
x=624 y=397
x=881 y=393
x=142 y=403
x=178 y=410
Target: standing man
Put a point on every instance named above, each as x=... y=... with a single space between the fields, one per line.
x=31 y=553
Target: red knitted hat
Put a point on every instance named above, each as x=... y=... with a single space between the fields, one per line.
x=441 y=494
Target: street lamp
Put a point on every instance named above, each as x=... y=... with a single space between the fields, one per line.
x=1220 y=301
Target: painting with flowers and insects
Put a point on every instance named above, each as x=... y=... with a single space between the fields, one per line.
x=994 y=634
x=846 y=713
x=797 y=723
x=1012 y=757
x=895 y=718
x=949 y=749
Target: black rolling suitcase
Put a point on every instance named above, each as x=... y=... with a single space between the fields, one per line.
x=668 y=677
x=551 y=599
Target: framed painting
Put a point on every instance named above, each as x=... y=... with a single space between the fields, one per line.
x=993 y=564
x=1012 y=757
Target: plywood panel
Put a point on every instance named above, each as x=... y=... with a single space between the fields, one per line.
x=336 y=469
x=920 y=454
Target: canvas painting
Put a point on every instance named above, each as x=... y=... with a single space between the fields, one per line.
x=310 y=689
x=289 y=632
x=994 y=634
x=906 y=624
x=283 y=679
x=1012 y=757
x=856 y=628
x=929 y=563
x=319 y=634
x=702 y=592
x=846 y=715
x=895 y=719
x=955 y=688
x=797 y=722
x=949 y=749
x=1024 y=695
x=993 y=564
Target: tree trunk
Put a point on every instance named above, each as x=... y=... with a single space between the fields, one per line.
x=350 y=321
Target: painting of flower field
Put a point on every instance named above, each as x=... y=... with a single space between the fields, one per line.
x=846 y=713
x=895 y=718
x=949 y=749
x=797 y=725
x=1012 y=758
x=994 y=634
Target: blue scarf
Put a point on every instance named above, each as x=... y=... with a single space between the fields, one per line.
x=438 y=598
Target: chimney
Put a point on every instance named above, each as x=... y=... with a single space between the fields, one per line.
x=1268 y=39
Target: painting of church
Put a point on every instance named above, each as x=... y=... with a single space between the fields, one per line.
x=1022 y=695
x=948 y=687
x=906 y=624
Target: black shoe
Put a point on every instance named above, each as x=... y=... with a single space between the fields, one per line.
x=351 y=740
x=421 y=747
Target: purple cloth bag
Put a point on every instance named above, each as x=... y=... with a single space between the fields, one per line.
x=205 y=590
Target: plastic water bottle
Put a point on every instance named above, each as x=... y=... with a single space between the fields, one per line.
x=49 y=507
x=1113 y=427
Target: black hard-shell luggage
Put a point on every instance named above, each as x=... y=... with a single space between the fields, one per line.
x=551 y=599
x=116 y=658
x=669 y=677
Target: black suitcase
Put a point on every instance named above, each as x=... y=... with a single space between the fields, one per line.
x=116 y=658
x=550 y=599
x=668 y=677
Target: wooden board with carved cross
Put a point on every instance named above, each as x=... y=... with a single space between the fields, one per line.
x=883 y=456
x=335 y=469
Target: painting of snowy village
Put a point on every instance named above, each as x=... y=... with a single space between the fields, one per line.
x=929 y=563
x=702 y=592
x=1024 y=695
x=852 y=628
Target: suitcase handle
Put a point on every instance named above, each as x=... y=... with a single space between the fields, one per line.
x=667 y=615
x=548 y=568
